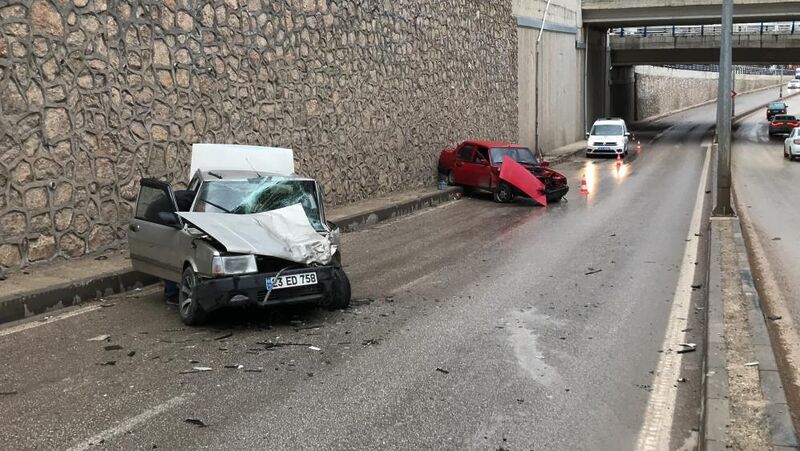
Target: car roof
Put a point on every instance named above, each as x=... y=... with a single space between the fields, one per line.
x=493 y=144
x=237 y=175
x=610 y=120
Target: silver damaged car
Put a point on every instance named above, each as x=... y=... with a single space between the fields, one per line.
x=246 y=232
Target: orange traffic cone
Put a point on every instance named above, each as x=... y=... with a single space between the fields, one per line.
x=584 y=188
x=638 y=146
x=619 y=160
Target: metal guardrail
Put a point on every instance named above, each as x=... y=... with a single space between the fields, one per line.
x=748 y=70
x=701 y=30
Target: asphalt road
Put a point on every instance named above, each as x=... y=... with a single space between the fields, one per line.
x=492 y=326
x=767 y=187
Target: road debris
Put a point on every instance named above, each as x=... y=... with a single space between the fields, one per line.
x=237 y=367
x=371 y=341
x=112 y=347
x=254 y=370
x=222 y=337
x=592 y=271
x=108 y=363
x=270 y=345
x=686 y=347
x=314 y=348
x=774 y=317
x=196 y=421
x=751 y=364
x=681 y=379
x=131 y=353
x=697 y=286
x=202 y=368
x=443 y=371
x=777 y=238
x=362 y=301
x=105 y=304
x=99 y=338
x=8 y=392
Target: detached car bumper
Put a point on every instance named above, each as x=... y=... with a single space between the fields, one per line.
x=251 y=289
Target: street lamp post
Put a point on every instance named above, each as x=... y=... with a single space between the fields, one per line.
x=724 y=109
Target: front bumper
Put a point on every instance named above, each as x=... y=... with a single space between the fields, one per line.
x=250 y=289
x=552 y=194
x=604 y=150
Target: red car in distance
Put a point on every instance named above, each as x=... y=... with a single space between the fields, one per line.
x=477 y=164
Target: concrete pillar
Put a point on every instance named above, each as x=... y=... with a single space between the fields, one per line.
x=597 y=76
x=623 y=93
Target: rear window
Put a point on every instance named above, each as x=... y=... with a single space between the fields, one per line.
x=783 y=117
x=776 y=106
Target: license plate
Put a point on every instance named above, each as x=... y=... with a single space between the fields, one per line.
x=294 y=280
x=604 y=149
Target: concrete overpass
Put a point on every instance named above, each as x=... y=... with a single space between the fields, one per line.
x=655 y=49
x=620 y=13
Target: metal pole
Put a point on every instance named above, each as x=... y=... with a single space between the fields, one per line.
x=538 y=72
x=724 y=109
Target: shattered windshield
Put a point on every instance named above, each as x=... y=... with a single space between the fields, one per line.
x=518 y=154
x=258 y=195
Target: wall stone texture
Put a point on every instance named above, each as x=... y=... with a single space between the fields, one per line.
x=95 y=94
x=660 y=90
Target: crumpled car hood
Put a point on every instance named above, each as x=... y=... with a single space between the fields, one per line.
x=284 y=233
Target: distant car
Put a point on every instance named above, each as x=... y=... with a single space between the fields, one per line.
x=782 y=124
x=794 y=84
x=791 y=146
x=608 y=136
x=776 y=108
x=477 y=164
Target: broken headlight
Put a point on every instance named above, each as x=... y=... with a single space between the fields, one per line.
x=233 y=264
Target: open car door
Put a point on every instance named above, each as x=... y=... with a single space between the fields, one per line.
x=154 y=232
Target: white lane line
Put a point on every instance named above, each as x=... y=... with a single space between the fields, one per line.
x=52 y=319
x=657 y=425
x=61 y=316
x=130 y=423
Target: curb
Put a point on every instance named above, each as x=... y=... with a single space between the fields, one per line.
x=356 y=221
x=71 y=293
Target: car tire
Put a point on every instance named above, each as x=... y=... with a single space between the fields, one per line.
x=449 y=178
x=192 y=314
x=503 y=194
x=339 y=296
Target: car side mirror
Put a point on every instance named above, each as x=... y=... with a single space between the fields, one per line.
x=628 y=134
x=544 y=164
x=169 y=218
x=587 y=134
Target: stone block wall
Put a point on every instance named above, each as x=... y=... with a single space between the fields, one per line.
x=95 y=94
x=660 y=90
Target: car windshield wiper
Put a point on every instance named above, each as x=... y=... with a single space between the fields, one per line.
x=215 y=205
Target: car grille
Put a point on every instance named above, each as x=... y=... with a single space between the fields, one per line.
x=612 y=144
x=286 y=293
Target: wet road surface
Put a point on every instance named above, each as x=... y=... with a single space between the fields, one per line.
x=492 y=326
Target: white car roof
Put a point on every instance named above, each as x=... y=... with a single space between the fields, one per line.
x=232 y=157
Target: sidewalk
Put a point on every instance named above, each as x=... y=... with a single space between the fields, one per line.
x=40 y=289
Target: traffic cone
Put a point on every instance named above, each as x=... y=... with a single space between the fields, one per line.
x=584 y=187
x=638 y=146
x=619 y=160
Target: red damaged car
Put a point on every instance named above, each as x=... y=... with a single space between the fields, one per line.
x=478 y=164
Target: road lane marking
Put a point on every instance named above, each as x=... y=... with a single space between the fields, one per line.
x=130 y=423
x=49 y=320
x=657 y=425
x=61 y=316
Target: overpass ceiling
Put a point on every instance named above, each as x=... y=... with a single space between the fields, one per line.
x=614 y=14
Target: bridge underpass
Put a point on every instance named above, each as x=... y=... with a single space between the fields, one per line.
x=623 y=13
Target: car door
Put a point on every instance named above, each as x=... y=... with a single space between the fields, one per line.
x=154 y=232
x=482 y=168
x=461 y=172
x=475 y=169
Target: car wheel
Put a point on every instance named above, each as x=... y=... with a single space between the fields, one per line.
x=191 y=312
x=503 y=193
x=339 y=297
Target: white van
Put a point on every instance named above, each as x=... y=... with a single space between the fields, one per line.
x=608 y=136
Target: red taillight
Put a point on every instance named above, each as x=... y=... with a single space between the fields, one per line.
x=796 y=141
x=775 y=124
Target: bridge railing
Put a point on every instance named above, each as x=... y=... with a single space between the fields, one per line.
x=739 y=69
x=701 y=30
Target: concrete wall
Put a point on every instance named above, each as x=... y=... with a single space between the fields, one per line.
x=95 y=94
x=561 y=87
x=661 y=90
